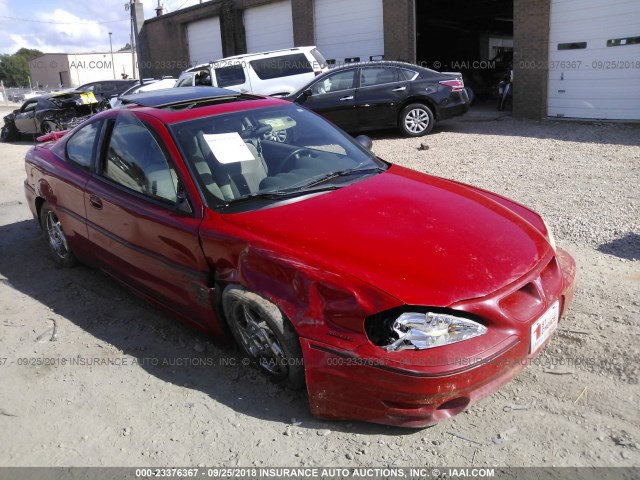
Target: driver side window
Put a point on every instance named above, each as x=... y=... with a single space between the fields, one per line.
x=334 y=83
x=29 y=107
x=136 y=161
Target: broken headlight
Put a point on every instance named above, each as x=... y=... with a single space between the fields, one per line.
x=419 y=331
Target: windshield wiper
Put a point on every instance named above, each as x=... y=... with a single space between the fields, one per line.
x=275 y=195
x=339 y=173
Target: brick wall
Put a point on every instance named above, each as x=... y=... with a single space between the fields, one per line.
x=165 y=51
x=399 y=31
x=303 y=23
x=530 y=48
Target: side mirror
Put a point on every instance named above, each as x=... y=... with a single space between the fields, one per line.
x=304 y=95
x=182 y=203
x=16 y=111
x=365 y=141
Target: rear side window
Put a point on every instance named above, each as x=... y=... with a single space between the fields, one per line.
x=282 y=66
x=407 y=74
x=231 y=75
x=378 y=76
x=80 y=146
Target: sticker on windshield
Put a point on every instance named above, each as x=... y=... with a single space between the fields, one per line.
x=229 y=147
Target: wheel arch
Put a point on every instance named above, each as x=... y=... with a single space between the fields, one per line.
x=313 y=299
x=39 y=201
x=427 y=102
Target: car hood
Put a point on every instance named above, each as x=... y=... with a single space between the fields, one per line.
x=422 y=239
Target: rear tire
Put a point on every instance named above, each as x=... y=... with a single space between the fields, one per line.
x=471 y=94
x=265 y=335
x=416 y=120
x=56 y=238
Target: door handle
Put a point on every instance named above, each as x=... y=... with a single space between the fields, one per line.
x=399 y=89
x=350 y=97
x=95 y=202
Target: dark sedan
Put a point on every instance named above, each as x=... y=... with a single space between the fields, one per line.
x=372 y=96
x=51 y=112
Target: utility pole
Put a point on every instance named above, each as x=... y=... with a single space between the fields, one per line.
x=129 y=8
x=159 y=9
x=113 y=65
x=137 y=18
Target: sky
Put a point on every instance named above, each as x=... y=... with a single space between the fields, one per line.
x=71 y=26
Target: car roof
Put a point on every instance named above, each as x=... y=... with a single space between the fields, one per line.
x=48 y=96
x=377 y=63
x=113 y=80
x=244 y=56
x=175 y=96
x=172 y=105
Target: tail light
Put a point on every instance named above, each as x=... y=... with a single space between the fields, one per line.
x=456 y=84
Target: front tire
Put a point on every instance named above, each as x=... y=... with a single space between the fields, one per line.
x=416 y=120
x=56 y=238
x=48 y=127
x=265 y=335
x=8 y=134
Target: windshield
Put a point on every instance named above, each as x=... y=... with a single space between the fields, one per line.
x=270 y=153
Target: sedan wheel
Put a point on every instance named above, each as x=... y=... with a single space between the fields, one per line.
x=416 y=120
x=48 y=127
x=265 y=335
x=279 y=136
x=57 y=240
x=7 y=134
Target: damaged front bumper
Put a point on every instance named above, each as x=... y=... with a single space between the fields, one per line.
x=421 y=388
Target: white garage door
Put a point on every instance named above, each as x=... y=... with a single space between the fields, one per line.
x=594 y=59
x=348 y=30
x=205 y=41
x=268 y=27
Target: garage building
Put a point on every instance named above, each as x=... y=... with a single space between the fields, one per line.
x=570 y=58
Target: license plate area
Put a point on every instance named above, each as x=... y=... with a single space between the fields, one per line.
x=544 y=327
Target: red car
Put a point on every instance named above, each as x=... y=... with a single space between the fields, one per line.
x=394 y=296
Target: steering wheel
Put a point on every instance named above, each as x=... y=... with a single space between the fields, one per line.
x=295 y=155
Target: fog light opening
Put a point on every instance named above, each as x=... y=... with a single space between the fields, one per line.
x=451 y=407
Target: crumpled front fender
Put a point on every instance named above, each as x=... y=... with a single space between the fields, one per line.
x=321 y=305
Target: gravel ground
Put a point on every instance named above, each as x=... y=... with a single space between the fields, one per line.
x=578 y=404
x=578 y=176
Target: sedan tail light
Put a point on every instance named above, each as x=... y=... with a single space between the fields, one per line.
x=456 y=84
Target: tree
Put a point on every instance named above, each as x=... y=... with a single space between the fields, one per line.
x=126 y=48
x=14 y=69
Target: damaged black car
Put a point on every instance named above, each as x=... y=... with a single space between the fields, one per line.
x=52 y=112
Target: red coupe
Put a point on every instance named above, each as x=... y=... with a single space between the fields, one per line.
x=393 y=296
